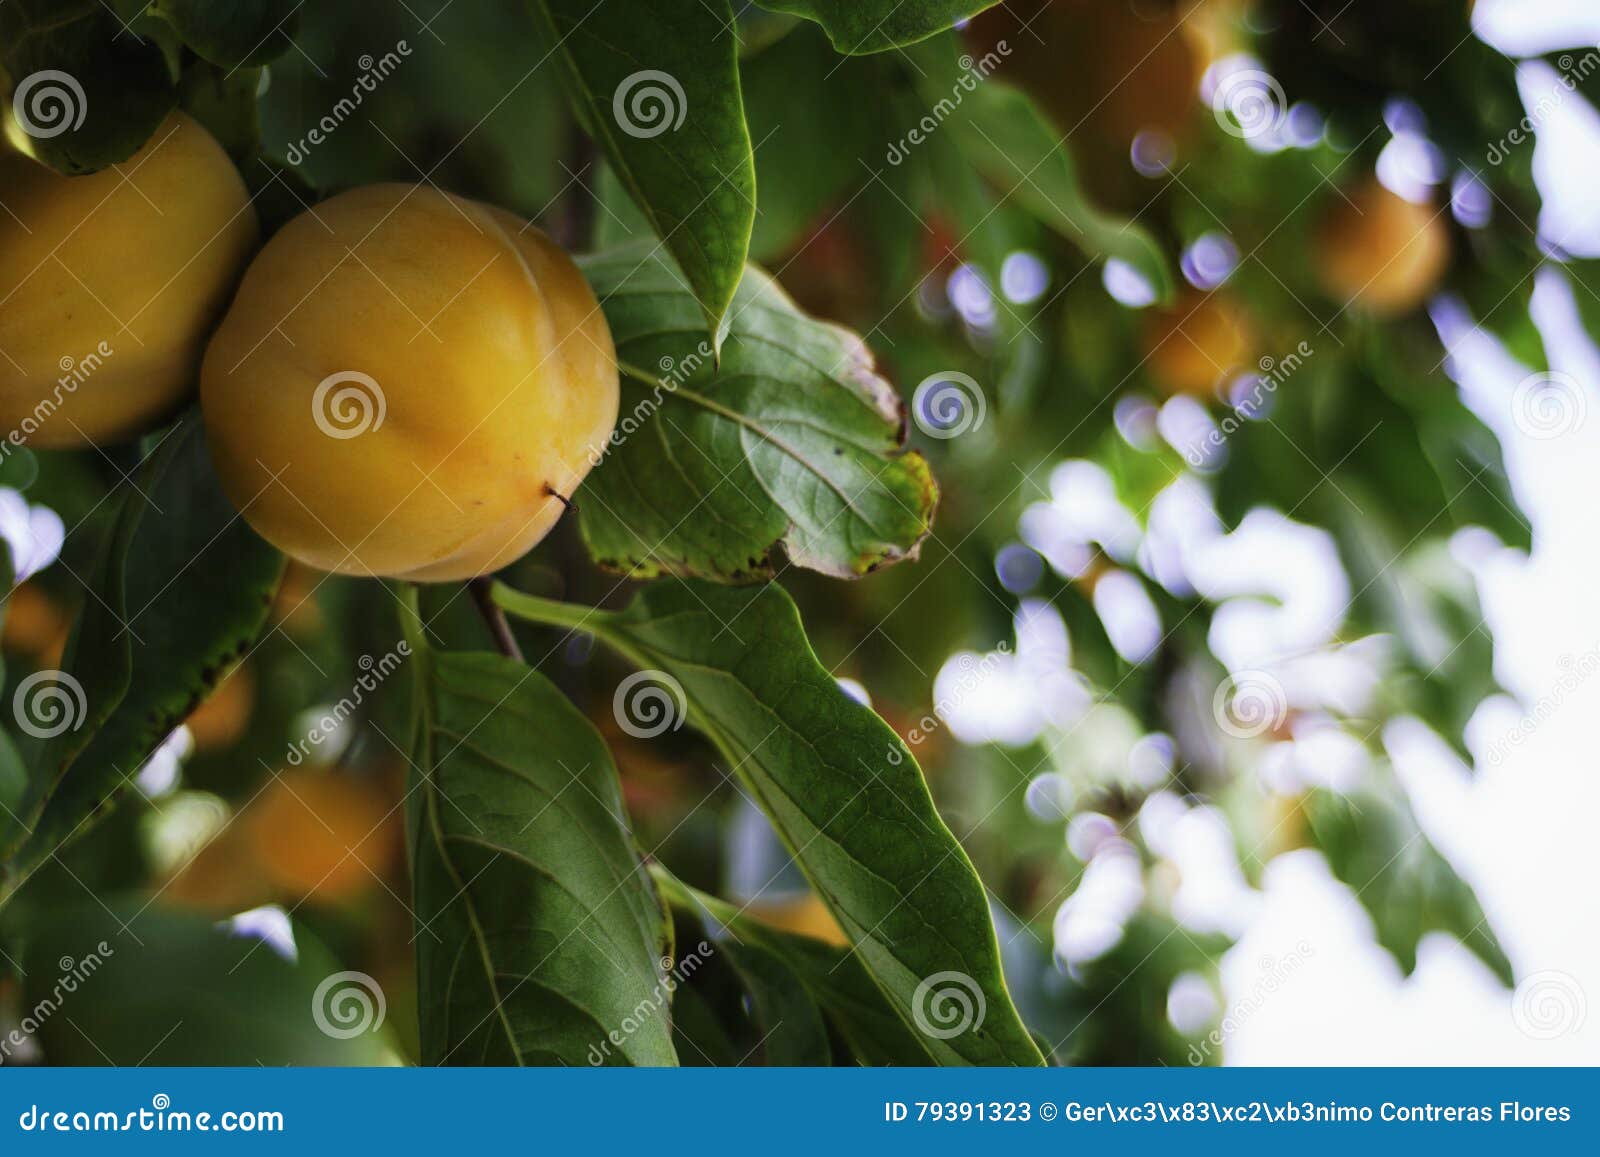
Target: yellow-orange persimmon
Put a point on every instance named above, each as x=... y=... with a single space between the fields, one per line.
x=407 y=384
x=110 y=285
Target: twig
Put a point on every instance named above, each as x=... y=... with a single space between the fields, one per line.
x=494 y=618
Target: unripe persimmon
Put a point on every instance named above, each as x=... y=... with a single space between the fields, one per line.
x=1380 y=251
x=110 y=284
x=408 y=384
x=1198 y=344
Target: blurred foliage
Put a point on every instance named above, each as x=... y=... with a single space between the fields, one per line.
x=969 y=241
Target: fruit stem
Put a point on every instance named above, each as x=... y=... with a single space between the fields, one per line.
x=481 y=589
x=549 y=612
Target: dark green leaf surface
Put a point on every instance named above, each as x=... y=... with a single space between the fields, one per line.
x=94 y=92
x=539 y=932
x=187 y=601
x=838 y=785
x=793 y=439
x=834 y=978
x=658 y=88
x=134 y=983
x=857 y=26
x=233 y=33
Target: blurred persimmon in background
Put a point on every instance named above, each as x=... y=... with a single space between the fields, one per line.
x=1377 y=250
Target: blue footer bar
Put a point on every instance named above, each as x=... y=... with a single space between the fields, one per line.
x=782 y=1111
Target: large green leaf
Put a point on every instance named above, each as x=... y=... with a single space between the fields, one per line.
x=793 y=439
x=857 y=26
x=133 y=983
x=833 y=978
x=183 y=597
x=658 y=87
x=840 y=788
x=1004 y=136
x=540 y=938
x=233 y=33
x=88 y=91
x=1374 y=845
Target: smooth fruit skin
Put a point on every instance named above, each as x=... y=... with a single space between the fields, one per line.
x=110 y=284
x=489 y=386
x=1380 y=251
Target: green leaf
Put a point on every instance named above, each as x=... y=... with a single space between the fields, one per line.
x=133 y=983
x=658 y=88
x=860 y=26
x=540 y=938
x=1373 y=844
x=93 y=91
x=793 y=439
x=838 y=785
x=833 y=977
x=182 y=597
x=1004 y=137
x=233 y=33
